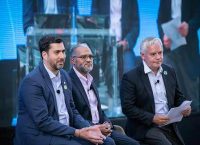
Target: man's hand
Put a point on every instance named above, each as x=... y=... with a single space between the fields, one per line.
x=167 y=42
x=187 y=111
x=184 y=29
x=93 y=134
x=160 y=119
x=105 y=129
x=124 y=44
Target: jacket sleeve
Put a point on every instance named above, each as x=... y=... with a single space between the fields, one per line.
x=28 y=13
x=130 y=22
x=130 y=108
x=32 y=96
x=78 y=120
x=194 y=22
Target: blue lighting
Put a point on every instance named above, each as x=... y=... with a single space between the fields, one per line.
x=10 y=28
x=84 y=7
x=14 y=121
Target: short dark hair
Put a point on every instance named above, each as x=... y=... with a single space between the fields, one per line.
x=46 y=40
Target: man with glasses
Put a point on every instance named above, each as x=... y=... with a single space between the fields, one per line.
x=86 y=96
x=47 y=115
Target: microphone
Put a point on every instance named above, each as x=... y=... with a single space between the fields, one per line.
x=58 y=91
x=157 y=82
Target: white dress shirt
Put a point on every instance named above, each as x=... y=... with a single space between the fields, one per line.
x=60 y=98
x=115 y=18
x=158 y=88
x=176 y=9
x=86 y=83
x=50 y=7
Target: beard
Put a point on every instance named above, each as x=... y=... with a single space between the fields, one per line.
x=59 y=65
x=86 y=69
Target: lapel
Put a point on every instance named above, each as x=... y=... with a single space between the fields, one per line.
x=147 y=85
x=97 y=96
x=48 y=82
x=167 y=85
x=79 y=86
x=66 y=92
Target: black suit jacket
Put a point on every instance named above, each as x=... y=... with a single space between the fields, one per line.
x=32 y=7
x=138 y=102
x=129 y=19
x=38 y=120
x=81 y=100
x=190 y=13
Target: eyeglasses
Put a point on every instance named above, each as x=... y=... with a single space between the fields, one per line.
x=85 y=57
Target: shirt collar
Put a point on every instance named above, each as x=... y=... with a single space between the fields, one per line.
x=87 y=80
x=148 y=70
x=51 y=74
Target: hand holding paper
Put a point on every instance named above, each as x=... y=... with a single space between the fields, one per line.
x=184 y=29
x=176 y=114
x=160 y=119
x=171 y=29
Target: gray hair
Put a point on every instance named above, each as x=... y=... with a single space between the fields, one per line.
x=149 y=41
x=74 y=47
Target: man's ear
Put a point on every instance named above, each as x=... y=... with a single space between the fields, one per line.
x=72 y=60
x=44 y=55
x=142 y=55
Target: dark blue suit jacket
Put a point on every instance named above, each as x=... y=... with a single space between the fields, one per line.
x=38 y=120
x=81 y=101
x=138 y=102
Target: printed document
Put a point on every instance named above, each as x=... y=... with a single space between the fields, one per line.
x=175 y=115
x=171 y=30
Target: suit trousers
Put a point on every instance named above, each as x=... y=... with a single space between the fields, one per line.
x=121 y=139
x=162 y=136
x=56 y=140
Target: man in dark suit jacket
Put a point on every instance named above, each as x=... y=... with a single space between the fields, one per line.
x=86 y=96
x=33 y=7
x=47 y=114
x=185 y=59
x=129 y=26
x=147 y=93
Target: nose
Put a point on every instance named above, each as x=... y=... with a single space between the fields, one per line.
x=62 y=55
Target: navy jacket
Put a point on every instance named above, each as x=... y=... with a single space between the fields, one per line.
x=38 y=120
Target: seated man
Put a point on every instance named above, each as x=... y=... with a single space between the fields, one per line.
x=47 y=115
x=85 y=94
x=147 y=93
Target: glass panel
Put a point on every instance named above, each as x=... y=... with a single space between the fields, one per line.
x=105 y=71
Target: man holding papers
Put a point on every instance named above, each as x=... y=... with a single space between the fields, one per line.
x=147 y=93
x=178 y=24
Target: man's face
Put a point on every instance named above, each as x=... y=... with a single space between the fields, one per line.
x=83 y=60
x=54 y=59
x=153 y=56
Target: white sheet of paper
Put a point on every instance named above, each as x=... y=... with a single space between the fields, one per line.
x=171 y=30
x=175 y=115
